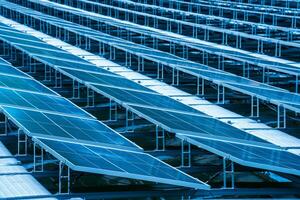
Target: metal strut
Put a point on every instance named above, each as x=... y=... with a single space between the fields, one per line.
x=160 y=71
x=76 y=90
x=281 y=117
x=90 y=97
x=254 y=106
x=129 y=121
x=221 y=94
x=160 y=139
x=47 y=73
x=22 y=142
x=200 y=86
x=58 y=79
x=113 y=109
x=226 y=172
x=5 y=122
x=64 y=175
x=175 y=76
x=185 y=154
x=38 y=159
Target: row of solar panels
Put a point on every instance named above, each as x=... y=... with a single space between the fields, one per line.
x=173 y=25
x=74 y=137
x=211 y=135
x=246 y=86
x=257 y=59
x=231 y=7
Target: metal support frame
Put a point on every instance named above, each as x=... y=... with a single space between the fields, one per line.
x=112 y=53
x=64 y=174
x=221 y=94
x=58 y=79
x=160 y=139
x=246 y=70
x=90 y=95
x=128 y=59
x=175 y=76
x=47 y=73
x=200 y=86
x=297 y=84
x=141 y=64
x=254 y=106
x=281 y=117
x=5 y=122
x=226 y=172
x=265 y=75
x=113 y=111
x=220 y=63
x=160 y=71
x=22 y=142
x=38 y=159
x=76 y=90
x=186 y=154
x=129 y=121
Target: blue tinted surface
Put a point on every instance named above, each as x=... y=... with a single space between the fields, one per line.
x=23 y=84
x=38 y=123
x=192 y=124
x=260 y=157
x=39 y=102
x=120 y=163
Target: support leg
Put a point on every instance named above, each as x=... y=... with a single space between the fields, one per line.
x=64 y=176
x=254 y=106
x=38 y=159
x=185 y=154
x=22 y=143
x=160 y=139
x=281 y=117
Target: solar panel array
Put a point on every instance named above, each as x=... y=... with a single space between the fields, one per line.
x=55 y=122
x=86 y=144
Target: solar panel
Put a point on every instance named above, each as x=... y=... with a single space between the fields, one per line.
x=142 y=98
x=25 y=84
x=197 y=125
x=107 y=79
x=229 y=80
x=176 y=122
x=6 y=69
x=253 y=156
x=73 y=128
x=39 y=102
x=180 y=122
x=117 y=162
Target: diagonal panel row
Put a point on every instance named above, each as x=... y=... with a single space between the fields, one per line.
x=243 y=85
x=80 y=130
x=283 y=152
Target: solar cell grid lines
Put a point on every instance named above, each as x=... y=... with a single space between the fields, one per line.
x=150 y=98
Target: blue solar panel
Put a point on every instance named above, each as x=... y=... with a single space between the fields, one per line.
x=116 y=162
x=107 y=79
x=72 y=128
x=259 y=157
x=197 y=125
x=25 y=84
x=38 y=102
x=7 y=69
